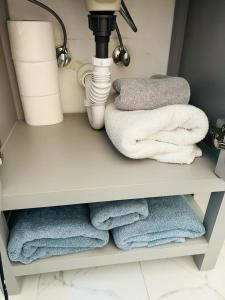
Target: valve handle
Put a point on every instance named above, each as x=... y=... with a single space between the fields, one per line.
x=218 y=136
x=126 y=15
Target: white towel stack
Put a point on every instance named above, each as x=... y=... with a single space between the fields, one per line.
x=33 y=52
x=166 y=134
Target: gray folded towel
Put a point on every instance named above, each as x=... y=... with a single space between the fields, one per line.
x=170 y=219
x=108 y=215
x=44 y=232
x=158 y=91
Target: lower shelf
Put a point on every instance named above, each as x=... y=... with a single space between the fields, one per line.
x=110 y=255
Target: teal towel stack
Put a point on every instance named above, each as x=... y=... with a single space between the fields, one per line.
x=108 y=215
x=44 y=232
x=170 y=219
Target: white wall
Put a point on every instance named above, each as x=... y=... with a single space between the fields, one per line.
x=149 y=47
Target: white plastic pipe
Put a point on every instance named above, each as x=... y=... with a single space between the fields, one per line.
x=97 y=85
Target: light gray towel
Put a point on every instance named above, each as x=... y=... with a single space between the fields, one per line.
x=170 y=219
x=44 y=232
x=158 y=91
x=108 y=215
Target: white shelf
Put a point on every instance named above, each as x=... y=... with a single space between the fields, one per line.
x=71 y=163
x=110 y=255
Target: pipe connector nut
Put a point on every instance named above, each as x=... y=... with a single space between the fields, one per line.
x=102 y=62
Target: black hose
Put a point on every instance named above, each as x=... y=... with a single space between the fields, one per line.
x=4 y=288
x=51 y=11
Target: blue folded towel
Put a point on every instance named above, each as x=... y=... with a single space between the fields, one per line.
x=43 y=232
x=170 y=219
x=108 y=215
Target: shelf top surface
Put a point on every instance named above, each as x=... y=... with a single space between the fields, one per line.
x=71 y=162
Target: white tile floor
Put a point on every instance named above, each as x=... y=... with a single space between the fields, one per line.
x=168 y=279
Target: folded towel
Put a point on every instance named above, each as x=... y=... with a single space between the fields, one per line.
x=167 y=134
x=44 y=232
x=158 y=91
x=170 y=219
x=108 y=215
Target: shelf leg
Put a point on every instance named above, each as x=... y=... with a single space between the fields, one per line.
x=202 y=200
x=13 y=283
x=215 y=233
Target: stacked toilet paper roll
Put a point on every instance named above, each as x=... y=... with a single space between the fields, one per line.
x=34 y=56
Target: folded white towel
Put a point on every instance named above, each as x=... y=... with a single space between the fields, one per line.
x=166 y=134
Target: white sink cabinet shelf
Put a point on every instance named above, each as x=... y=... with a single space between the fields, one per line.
x=70 y=163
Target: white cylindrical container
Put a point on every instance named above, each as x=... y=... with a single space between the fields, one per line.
x=44 y=110
x=37 y=78
x=32 y=41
